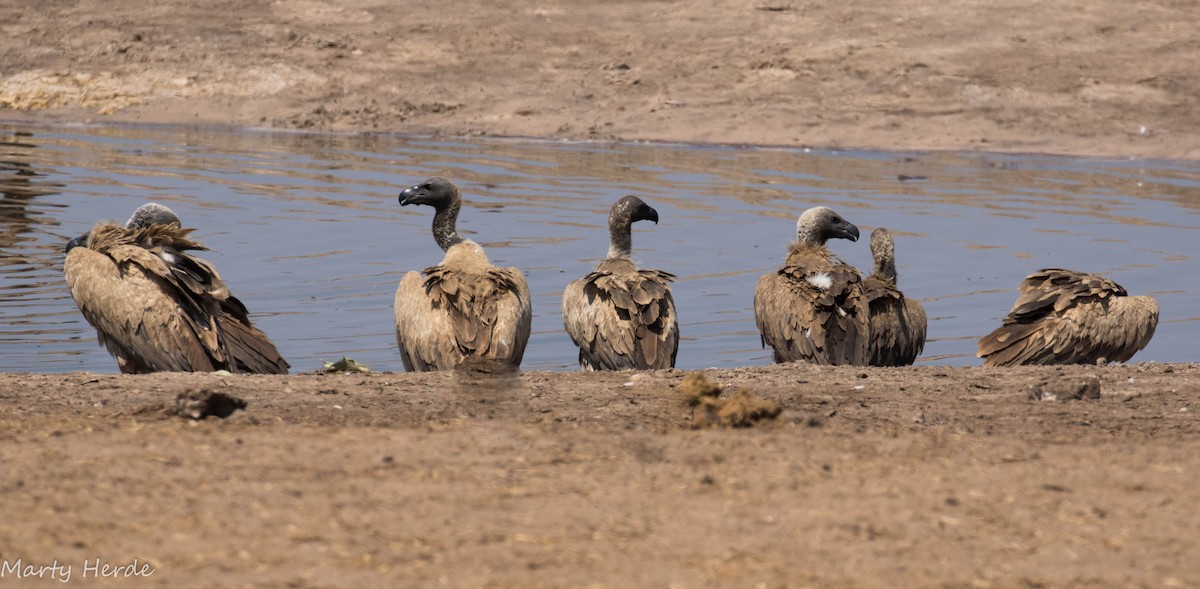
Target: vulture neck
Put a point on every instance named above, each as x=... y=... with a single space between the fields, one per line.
x=885 y=268
x=807 y=237
x=620 y=236
x=444 y=221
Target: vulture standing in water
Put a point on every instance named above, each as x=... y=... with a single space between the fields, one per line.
x=813 y=308
x=898 y=323
x=157 y=307
x=619 y=316
x=464 y=308
x=1067 y=317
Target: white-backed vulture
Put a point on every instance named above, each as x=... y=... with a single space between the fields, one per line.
x=622 y=317
x=898 y=323
x=1067 y=317
x=813 y=308
x=464 y=308
x=156 y=307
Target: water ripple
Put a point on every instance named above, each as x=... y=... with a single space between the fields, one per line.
x=307 y=230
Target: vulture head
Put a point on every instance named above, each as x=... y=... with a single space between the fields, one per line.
x=630 y=209
x=444 y=197
x=152 y=213
x=624 y=213
x=820 y=224
x=436 y=192
x=146 y=215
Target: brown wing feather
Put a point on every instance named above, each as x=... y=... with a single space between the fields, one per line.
x=622 y=318
x=459 y=311
x=801 y=321
x=1067 y=317
x=138 y=315
x=156 y=307
x=897 y=327
x=249 y=349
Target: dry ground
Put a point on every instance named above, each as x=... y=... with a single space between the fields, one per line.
x=1104 y=77
x=921 y=477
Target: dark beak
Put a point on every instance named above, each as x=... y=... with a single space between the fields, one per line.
x=652 y=215
x=413 y=196
x=80 y=241
x=848 y=231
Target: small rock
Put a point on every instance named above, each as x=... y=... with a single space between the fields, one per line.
x=204 y=403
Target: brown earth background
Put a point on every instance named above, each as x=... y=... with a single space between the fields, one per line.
x=915 y=477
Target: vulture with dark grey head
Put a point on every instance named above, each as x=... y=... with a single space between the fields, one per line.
x=464 y=308
x=156 y=307
x=1067 y=317
x=620 y=316
x=813 y=308
x=898 y=323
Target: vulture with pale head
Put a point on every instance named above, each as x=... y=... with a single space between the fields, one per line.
x=898 y=323
x=621 y=316
x=463 y=308
x=1067 y=317
x=156 y=307
x=813 y=309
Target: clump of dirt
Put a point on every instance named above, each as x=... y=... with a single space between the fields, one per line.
x=710 y=409
x=1066 y=389
x=199 y=404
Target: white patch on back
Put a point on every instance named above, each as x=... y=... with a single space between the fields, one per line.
x=820 y=280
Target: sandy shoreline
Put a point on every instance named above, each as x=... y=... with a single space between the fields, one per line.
x=1081 y=78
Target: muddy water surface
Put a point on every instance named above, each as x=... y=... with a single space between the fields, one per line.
x=307 y=231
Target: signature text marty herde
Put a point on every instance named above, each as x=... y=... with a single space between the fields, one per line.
x=90 y=569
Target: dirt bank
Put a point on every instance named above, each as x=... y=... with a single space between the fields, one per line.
x=1086 y=77
x=921 y=477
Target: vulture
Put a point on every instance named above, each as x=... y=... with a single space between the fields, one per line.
x=897 y=325
x=1067 y=317
x=464 y=309
x=155 y=306
x=813 y=308
x=620 y=316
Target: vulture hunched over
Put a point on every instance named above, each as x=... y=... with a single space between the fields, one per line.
x=813 y=308
x=464 y=308
x=620 y=316
x=898 y=323
x=1068 y=317
x=156 y=307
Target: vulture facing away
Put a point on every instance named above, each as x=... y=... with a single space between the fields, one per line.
x=898 y=323
x=464 y=308
x=156 y=307
x=622 y=317
x=1068 y=317
x=813 y=308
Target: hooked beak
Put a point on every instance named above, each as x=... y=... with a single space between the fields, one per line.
x=80 y=241
x=848 y=231
x=413 y=196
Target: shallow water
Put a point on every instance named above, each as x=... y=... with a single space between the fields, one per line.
x=307 y=231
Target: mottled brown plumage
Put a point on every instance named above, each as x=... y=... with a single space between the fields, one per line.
x=1067 y=317
x=620 y=316
x=156 y=307
x=813 y=308
x=464 y=308
x=898 y=323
